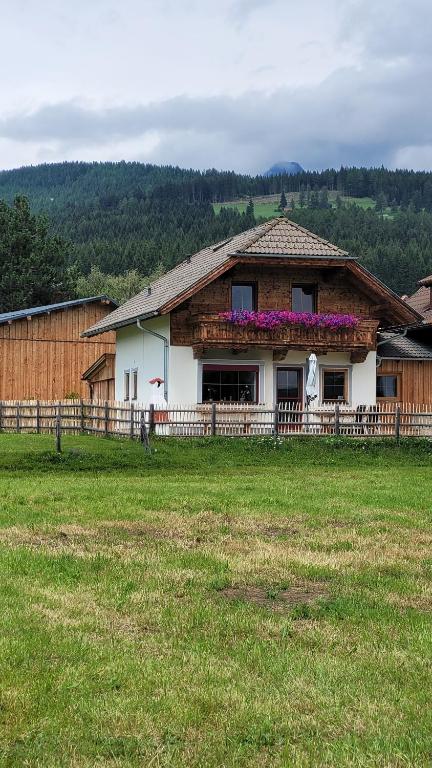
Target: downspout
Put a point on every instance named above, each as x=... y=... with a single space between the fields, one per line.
x=400 y=334
x=166 y=353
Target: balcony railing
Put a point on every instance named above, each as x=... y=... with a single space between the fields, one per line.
x=212 y=331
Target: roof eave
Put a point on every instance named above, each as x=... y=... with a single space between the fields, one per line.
x=403 y=306
x=120 y=324
x=343 y=256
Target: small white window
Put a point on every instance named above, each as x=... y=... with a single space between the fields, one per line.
x=135 y=384
x=127 y=385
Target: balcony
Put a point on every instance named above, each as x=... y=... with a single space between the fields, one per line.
x=210 y=332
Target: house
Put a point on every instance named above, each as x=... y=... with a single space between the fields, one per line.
x=404 y=365
x=100 y=377
x=42 y=353
x=176 y=330
x=421 y=300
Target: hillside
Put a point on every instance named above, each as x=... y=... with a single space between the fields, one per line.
x=132 y=216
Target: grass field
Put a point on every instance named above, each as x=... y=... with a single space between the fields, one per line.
x=268 y=209
x=216 y=604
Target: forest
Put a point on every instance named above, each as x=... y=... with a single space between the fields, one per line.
x=117 y=225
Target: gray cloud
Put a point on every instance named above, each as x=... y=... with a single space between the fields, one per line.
x=374 y=109
x=364 y=115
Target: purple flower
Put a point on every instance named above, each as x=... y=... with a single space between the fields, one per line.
x=276 y=318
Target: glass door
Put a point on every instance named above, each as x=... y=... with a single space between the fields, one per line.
x=289 y=397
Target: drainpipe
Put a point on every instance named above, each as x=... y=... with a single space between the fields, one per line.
x=400 y=334
x=166 y=353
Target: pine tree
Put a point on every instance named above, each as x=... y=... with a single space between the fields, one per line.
x=283 y=201
x=250 y=209
x=32 y=262
x=381 y=202
x=302 y=197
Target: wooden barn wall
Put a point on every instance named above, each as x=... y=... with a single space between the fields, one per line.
x=336 y=293
x=101 y=386
x=415 y=379
x=45 y=357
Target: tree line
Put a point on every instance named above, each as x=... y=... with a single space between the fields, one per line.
x=112 y=227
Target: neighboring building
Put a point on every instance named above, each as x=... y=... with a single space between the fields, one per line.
x=174 y=330
x=100 y=378
x=404 y=371
x=421 y=300
x=42 y=353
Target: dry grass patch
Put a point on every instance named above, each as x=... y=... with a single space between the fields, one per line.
x=278 y=600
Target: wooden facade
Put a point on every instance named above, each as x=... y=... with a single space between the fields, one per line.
x=43 y=357
x=414 y=380
x=100 y=378
x=196 y=321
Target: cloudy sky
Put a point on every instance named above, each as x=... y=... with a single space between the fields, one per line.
x=227 y=84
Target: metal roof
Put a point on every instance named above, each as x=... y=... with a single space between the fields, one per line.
x=277 y=237
x=19 y=314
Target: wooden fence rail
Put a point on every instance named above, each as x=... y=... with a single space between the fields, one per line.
x=212 y=419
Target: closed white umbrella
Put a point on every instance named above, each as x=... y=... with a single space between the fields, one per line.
x=312 y=380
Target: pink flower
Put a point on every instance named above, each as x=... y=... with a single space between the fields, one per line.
x=276 y=318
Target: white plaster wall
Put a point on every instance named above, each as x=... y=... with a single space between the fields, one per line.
x=364 y=381
x=183 y=377
x=135 y=349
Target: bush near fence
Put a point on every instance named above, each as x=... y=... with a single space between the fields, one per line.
x=212 y=419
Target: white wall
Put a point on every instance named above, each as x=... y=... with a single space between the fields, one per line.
x=364 y=381
x=135 y=349
x=183 y=376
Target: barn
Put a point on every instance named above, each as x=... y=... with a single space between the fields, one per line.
x=42 y=355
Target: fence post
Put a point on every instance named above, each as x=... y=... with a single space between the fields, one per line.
x=81 y=415
x=276 y=419
x=213 y=420
x=58 y=430
x=37 y=417
x=397 y=422
x=18 y=417
x=131 y=420
x=144 y=438
x=151 y=418
x=337 y=419
x=1 y=416
x=106 y=418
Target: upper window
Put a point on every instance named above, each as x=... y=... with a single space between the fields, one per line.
x=303 y=298
x=387 y=386
x=243 y=296
x=334 y=385
x=230 y=385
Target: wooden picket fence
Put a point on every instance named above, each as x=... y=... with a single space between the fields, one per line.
x=212 y=419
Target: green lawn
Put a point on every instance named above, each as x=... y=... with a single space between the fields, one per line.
x=217 y=604
x=264 y=210
x=269 y=209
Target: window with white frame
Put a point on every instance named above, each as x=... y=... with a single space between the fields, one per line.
x=135 y=384
x=130 y=384
x=126 y=385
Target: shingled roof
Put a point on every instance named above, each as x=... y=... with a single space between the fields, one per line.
x=404 y=348
x=278 y=237
x=421 y=299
